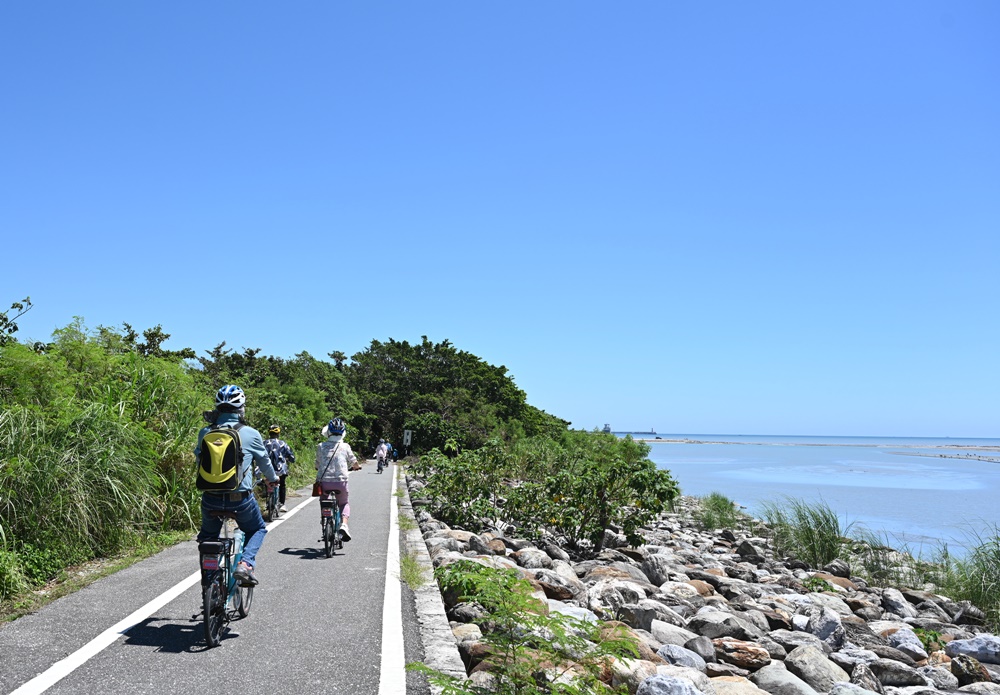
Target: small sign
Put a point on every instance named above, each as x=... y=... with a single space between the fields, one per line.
x=407 y=437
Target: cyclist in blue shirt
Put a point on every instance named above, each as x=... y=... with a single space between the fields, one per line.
x=281 y=455
x=229 y=410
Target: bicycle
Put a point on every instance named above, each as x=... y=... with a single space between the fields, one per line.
x=330 y=522
x=380 y=463
x=272 y=508
x=222 y=597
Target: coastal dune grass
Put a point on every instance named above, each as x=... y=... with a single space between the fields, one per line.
x=718 y=511
x=810 y=532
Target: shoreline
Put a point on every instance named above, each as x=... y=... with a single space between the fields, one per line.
x=951 y=447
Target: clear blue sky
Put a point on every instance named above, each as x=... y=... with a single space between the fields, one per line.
x=726 y=217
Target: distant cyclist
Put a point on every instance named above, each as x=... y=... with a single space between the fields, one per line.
x=229 y=411
x=334 y=460
x=281 y=455
x=382 y=452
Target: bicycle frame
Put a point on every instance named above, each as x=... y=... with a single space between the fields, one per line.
x=222 y=599
x=330 y=522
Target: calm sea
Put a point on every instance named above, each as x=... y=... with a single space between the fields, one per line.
x=917 y=491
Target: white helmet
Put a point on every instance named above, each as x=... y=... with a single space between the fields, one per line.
x=230 y=395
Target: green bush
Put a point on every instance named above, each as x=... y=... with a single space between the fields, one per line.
x=530 y=651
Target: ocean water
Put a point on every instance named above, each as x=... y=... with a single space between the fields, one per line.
x=921 y=492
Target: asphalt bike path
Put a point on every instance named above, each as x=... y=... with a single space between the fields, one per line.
x=316 y=623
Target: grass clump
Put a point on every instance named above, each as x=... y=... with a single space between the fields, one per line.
x=718 y=512
x=411 y=572
x=810 y=532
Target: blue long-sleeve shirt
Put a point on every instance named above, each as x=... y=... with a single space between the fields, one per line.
x=253 y=451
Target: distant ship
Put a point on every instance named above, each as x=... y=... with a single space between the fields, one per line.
x=607 y=429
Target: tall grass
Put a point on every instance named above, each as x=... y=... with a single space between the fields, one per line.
x=717 y=511
x=810 y=532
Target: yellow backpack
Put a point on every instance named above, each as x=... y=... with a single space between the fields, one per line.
x=220 y=459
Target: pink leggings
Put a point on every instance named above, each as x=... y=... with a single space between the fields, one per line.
x=339 y=486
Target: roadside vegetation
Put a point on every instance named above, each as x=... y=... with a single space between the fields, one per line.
x=97 y=428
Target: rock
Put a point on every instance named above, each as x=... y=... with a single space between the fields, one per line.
x=861 y=634
x=967 y=669
x=717 y=669
x=670 y=634
x=894 y=602
x=466 y=612
x=659 y=684
x=981 y=688
x=698 y=679
x=838 y=568
x=555 y=552
x=891 y=653
x=825 y=624
x=941 y=678
x=557 y=586
x=891 y=672
x=984 y=648
x=631 y=673
x=735 y=685
x=848 y=658
x=658 y=568
x=777 y=680
x=715 y=623
x=811 y=665
x=643 y=614
x=851 y=689
x=680 y=656
x=703 y=647
x=532 y=558
x=907 y=642
x=790 y=640
x=467 y=632
x=741 y=653
x=572 y=611
x=863 y=677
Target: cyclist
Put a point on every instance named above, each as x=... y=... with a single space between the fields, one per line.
x=382 y=452
x=334 y=459
x=230 y=410
x=281 y=455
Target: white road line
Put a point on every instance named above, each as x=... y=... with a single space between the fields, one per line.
x=59 y=670
x=392 y=679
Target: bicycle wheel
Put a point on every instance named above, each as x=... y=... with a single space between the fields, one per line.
x=243 y=599
x=212 y=605
x=338 y=540
x=328 y=537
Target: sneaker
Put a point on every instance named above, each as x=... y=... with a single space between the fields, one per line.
x=244 y=575
x=282 y=508
x=344 y=533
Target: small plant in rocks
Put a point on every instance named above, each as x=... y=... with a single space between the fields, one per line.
x=530 y=651
x=817 y=584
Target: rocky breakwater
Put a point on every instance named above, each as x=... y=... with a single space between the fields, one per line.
x=715 y=612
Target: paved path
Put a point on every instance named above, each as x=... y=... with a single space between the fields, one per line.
x=316 y=624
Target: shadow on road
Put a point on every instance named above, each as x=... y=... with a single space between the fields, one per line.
x=170 y=637
x=305 y=553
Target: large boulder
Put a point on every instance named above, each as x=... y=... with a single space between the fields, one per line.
x=777 y=680
x=660 y=684
x=984 y=648
x=811 y=665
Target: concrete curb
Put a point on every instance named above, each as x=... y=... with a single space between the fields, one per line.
x=440 y=649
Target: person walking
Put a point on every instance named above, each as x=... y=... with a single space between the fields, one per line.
x=334 y=461
x=229 y=414
x=281 y=455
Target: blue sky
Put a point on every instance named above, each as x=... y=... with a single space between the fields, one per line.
x=727 y=217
